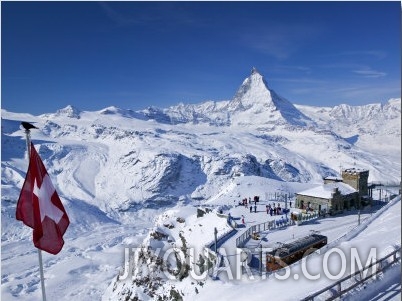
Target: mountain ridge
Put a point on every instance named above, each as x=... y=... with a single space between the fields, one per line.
x=186 y=152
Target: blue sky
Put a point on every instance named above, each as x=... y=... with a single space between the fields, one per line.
x=137 y=54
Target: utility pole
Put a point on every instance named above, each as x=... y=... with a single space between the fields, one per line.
x=216 y=240
x=358 y=217
x=358 y=212
x=260 y=258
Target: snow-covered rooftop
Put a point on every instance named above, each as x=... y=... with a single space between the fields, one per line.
x=354 y=170
x=333 y=178
x=324 y=191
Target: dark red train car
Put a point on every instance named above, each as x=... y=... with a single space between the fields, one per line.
x=289 y=253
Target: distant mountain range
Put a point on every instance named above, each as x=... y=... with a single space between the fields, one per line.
x=121 y=160
x=253 y=104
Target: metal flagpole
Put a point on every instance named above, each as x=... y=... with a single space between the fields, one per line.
x=42 y=277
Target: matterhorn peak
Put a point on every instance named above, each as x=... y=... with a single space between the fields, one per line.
x=253 y=92
x=257 y=79
x=254 y=71
x=254 y=96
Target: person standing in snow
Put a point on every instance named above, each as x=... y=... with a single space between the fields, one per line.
x=251 y=208
x=242 y=219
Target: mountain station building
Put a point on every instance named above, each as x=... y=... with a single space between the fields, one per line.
x=337 y=194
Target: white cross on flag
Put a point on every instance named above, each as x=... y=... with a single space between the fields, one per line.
x=40 y=208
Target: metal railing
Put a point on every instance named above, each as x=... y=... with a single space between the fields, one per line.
x=357 y=278
x=270 y=225
x=242 y=239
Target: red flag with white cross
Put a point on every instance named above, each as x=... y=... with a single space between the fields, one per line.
x=40 y=207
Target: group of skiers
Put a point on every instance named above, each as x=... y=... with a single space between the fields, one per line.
x=246 y=202
x=270 y=209
x=273 y=210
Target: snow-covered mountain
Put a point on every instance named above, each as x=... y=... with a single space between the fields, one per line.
x=373 y=127
x=263 y=105
x=109 y=165
x=254 y=104
x=185 y=152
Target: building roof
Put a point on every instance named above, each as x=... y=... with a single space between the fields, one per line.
x=325 y=191
x=333 y=178
x=354 y=170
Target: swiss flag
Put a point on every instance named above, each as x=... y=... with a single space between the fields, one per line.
x=40 y=208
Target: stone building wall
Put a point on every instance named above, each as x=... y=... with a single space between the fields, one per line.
x=336 y=204
x=302 y=201
x=357 y=178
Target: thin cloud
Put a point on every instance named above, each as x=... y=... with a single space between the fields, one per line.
x=379 y=54
x=339 y=65
x=370 y=73
x=292 y=68
x=363 y=71
x=365 y=92
x=342 y=92
x=313 y=81
x=304 y=91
